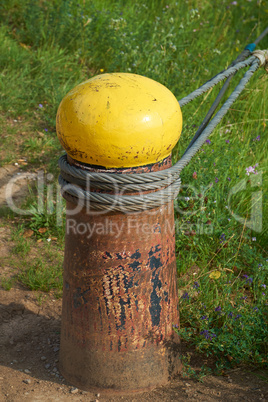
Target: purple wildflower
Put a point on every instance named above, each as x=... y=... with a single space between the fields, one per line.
x=263 y=286
x=229 y=178
x=46 y=129
x=204 y=317
x=263 y=294
x=207 y=335
x=251 y=169
x=227 y=141
x=213 y=335
x=258 y=138
x=208 y=141
x=238 y=316
x=185 y=295
x=40 y=105
x=230 y=314
x=248 y=279
x=216 y=179
x=196 y=285
x=255 y=309
x=218 y=308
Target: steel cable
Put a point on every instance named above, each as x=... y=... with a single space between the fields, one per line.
x=165 y=184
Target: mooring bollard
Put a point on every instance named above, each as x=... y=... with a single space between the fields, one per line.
x=120 y=294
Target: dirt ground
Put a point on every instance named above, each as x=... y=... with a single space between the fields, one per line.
x=29 y=344
x=29 y=349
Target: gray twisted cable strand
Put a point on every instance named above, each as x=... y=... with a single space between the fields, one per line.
x=218 y=78
x=218 y=117
x=105 y=177
x=114 y=185
x=241 y=57
x=163 y=194
x=262 y=35
x=100 y=201
x=126 y=203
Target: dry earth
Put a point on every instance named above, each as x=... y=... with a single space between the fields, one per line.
x=29 y=342
x=29 y=347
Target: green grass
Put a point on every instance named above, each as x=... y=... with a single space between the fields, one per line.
x=22 y=246
x=49 y=47
x=38 y=277
x=35 y=261
x=7 y=283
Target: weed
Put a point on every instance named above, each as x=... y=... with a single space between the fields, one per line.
x=40 y=299
x=22 y=246
x=46 y=224
x=46 y=211
x=189 y=372
x=38 y=277
x=7 y=283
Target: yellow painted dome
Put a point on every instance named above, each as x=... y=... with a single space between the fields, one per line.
x=119 y=120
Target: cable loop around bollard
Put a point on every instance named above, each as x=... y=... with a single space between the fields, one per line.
x=165 y=184
x=122 y=203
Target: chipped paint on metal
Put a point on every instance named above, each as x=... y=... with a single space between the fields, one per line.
x=120 y=300
x=134 y=287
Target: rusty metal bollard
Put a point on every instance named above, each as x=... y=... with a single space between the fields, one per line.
x=120 y=294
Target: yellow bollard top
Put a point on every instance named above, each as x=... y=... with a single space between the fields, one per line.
x=119 y=120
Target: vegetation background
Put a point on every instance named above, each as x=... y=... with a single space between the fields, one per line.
x=48 y=47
